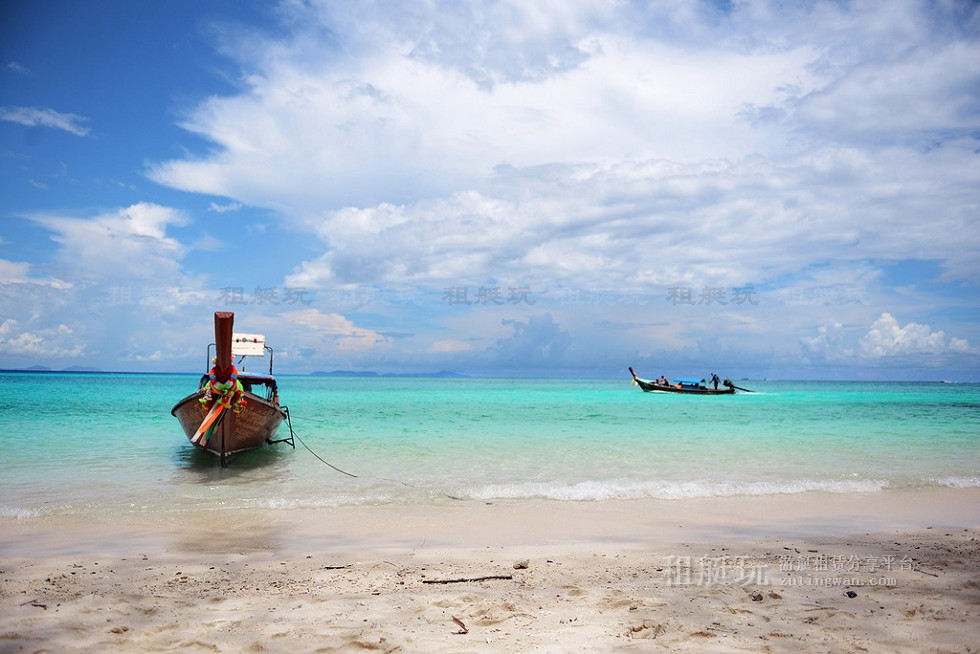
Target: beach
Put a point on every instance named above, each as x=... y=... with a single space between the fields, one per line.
x=494 y=515
x=891 y=571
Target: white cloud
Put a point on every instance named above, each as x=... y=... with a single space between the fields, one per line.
x=620 y=148
x=608 y=143
x=652 y=223
x=13 y=272
x=337 y=329
x=45 y=117
x=538 y=342
x=55 y=342
x=826 y=344
x=316 y=129
x=152 y=357
x=446 y=241
x=887 y=338
x=425 y=96
x=225 y=208
x=209 y=243
x=20 y=272
x=124 y=245
x=16 y=67
x=926 y=83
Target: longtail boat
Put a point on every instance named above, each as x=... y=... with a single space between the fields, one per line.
x=233 y=411
x=685 y=386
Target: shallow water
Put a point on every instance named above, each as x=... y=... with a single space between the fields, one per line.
x=87 y=444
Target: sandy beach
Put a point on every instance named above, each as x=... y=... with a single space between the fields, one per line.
x=877 y=572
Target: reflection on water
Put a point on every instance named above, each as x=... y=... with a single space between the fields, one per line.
x=195 y=459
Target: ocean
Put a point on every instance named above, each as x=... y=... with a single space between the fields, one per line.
x=89 y=445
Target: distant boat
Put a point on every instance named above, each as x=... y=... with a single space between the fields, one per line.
x=231 y=411
x=686 y=386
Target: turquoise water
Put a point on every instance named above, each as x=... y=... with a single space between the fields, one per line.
x=87 y=444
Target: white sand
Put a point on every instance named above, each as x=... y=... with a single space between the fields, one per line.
x=720 y=575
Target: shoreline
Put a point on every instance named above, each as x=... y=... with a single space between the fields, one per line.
x=882 y=572
x=461 y=524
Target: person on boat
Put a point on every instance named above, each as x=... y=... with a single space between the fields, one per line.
x=715 y=380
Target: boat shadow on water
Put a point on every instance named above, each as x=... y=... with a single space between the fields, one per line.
x=196 y=460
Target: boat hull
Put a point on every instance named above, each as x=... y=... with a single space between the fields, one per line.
x=650 y=387
x=681 y=389
x=249 y=429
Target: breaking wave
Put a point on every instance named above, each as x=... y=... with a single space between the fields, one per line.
x=624 y=490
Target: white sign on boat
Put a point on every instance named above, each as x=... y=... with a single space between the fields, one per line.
x=248 y=345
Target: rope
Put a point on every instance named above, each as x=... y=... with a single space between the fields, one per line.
x=293 y=434
x=303 y=443
x=393 y=481
x=317 y=420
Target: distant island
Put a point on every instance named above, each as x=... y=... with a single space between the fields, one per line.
x=371 y=373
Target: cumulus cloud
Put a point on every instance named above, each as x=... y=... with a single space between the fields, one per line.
x=887 y=338
x=45 y=117
x=660 y=142
x=319 y=128
x=647 y=223
x=826 y=344
x=55 y=342
x=885 y=341
x=575 y=146
x=534 y=343
x=130 y=243
x=21 y=272
x=14 y=272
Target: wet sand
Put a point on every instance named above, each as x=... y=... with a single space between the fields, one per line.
x=877 y=572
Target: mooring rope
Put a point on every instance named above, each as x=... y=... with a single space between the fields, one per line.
x=293 y=434
x=393 y=481
x=303 y=443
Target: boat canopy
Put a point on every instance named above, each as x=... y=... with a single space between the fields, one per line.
x=681 y=380
x=257 y=378
x=252 y=383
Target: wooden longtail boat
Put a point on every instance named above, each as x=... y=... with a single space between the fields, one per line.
x=232 y=411
x=685 y=386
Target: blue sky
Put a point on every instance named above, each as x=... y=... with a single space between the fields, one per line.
x=758 y=189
